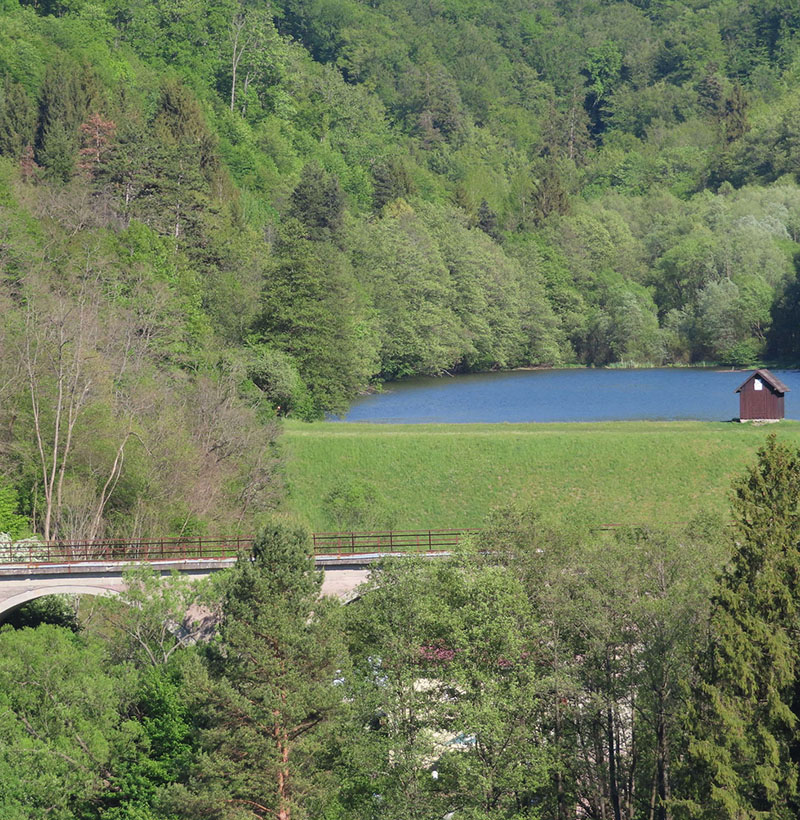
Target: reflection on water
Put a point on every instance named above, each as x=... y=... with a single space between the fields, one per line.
x=566 y=395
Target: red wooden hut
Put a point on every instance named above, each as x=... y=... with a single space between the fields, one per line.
x=761 y=397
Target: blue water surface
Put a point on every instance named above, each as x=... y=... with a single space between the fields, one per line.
x=566 y=395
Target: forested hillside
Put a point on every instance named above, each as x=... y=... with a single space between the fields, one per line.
x=213 y=214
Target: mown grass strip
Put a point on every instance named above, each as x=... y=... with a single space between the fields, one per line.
x=452 y=475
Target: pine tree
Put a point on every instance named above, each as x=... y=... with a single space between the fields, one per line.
x=67 y=92
x=744 y=738
x=17 y=119
x=318 y=202
x=487 y=220
x=710 y=91
x=390 y=181
x=550 y=196
x=273 y=683
x=735 y=114
x=178 y=168
x=313 y=310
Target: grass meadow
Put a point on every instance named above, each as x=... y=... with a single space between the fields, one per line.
x=451 y=475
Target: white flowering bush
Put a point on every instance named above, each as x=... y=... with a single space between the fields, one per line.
x=22 y=550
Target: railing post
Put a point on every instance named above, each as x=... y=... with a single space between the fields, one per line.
x=430 y=543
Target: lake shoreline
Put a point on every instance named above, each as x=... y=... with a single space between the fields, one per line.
x=538 y=395
x=385 y=386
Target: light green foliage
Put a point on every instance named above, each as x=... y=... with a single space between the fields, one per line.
x=275 y=374
x=95 y=724
x=312 y=308
x=596 y=136
x=445 y=679
x=153 y=273
x=118 y=318
x=238 y=248
x=620 y=615
x=11 y=522
x=603 y=67
x=446 y=296
x=485 y=288
x=160 y=746
x=411 y=291
x=151 y=619
x=535 y=670
x=58 y=722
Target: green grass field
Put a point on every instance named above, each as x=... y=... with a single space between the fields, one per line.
x=451 y=475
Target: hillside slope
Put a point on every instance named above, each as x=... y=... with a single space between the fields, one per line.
x=257 y=210
x=439 y=476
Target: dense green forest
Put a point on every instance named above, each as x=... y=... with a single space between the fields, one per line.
x=215 y=214
x=543 y=672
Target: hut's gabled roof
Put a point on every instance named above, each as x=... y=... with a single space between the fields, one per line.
x=766 y=376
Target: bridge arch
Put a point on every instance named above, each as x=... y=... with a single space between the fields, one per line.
x=21 y=583
x=15 y=601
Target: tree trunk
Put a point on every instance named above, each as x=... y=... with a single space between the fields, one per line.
x=631 y=784
x=613 y=786
x=662 y=812
x=561 y=811
x=238 y=48
x=108 y=487
x=282 y=742
x=601 y=779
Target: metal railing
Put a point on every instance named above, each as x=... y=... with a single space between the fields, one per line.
x=387 y=541
x=165 y=549
x=31 y=551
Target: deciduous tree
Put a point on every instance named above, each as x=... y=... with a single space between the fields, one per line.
x=59 y=707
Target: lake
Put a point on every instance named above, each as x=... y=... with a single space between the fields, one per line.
x=566 y=395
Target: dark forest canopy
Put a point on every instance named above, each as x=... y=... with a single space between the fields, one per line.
x=276 y=205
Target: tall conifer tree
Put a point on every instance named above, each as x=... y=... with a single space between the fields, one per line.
x=272 y=684
x=744 y=737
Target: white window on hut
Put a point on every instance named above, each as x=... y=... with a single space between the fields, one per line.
x=758 y=384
